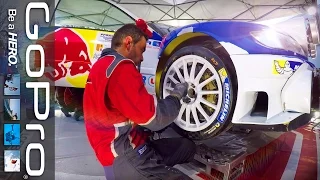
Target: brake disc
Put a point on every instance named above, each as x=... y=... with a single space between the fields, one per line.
x=211 y=86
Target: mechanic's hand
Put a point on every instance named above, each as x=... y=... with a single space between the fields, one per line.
x=180 y=90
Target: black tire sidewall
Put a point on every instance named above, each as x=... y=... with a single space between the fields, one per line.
x=228 y=101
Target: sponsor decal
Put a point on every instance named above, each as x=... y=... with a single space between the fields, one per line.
x=103 y=41
x=151 y=81
x=156 y=43
x=142 y=149
x=153 y=44
x=285 y=67
x=226 y=103
x=71 y=55
x=99 y=47
x=223 y=74
x=104 y=37
x=148 y=80
x=75 y=53
x=98 y=50
x=144 y=78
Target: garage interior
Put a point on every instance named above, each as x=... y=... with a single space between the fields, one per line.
x=242 y=154
x=238 y=153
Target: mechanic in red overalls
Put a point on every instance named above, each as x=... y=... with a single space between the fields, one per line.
x=119 y=114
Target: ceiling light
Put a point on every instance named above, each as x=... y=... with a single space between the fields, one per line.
x=312 y=11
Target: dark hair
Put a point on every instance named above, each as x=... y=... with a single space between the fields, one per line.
x=127 y=30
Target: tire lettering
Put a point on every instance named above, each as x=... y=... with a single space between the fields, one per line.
x=214 y=62
x=225 y=109
x=217 y=125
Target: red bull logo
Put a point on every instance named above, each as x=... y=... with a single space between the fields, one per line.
x=70 y=54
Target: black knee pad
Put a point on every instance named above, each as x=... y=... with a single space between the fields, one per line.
x=189 y=145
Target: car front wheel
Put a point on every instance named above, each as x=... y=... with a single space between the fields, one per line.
x=209 y=104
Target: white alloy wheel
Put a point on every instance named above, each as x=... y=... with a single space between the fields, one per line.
x=201 y=106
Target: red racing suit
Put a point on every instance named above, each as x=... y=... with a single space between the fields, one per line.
x=116 y=106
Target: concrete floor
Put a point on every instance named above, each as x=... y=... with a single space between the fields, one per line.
x=76 y=160
x=74 y=157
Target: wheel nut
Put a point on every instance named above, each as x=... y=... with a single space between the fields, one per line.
x=186 y=100
x=191 y=93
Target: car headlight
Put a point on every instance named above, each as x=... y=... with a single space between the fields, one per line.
x=274 y=39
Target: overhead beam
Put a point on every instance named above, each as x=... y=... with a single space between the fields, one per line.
x=127 y=3
x=157 y=8
x=243 y=12
x=116 y=1
x=188 y=19
x=81 y=17
x=190 y=2
x=285 y=5
x=165 y=14
x=157 y=4
x=185 y=11
x=249 y=6
x=274 y=10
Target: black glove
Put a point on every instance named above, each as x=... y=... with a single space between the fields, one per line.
x=180 y=90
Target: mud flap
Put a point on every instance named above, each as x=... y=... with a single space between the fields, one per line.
x=294 y=124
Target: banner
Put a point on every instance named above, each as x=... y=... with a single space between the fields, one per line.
x=26 y=95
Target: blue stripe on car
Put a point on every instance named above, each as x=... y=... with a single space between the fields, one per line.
x=237 y=33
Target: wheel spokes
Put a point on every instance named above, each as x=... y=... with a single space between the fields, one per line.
x=202 y=104
x=203 y=113
x=200 y=74
x=168 y=88
x=208 y=92
x=185 y=71
x=173 y=79
x=208 y=103
x=195 y=116
x=188 y=111
x=206 y=81
x=182 y=109
x=193 y=70
x=179 y=74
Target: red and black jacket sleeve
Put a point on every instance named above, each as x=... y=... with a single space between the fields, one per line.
x=128 y=94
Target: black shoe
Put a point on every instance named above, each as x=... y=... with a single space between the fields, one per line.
x=65 y=112
x=77 y=115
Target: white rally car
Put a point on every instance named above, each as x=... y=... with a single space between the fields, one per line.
x=239 y=73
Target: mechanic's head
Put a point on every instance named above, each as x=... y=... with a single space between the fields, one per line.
x=130 y=42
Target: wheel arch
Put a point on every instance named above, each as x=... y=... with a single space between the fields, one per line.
x=191 y=38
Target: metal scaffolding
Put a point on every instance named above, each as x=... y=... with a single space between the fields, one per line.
x=254 y=10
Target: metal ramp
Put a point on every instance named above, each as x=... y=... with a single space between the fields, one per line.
x=230 y=165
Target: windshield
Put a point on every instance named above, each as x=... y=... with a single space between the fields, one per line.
x=162 y=29
x=100 y=15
